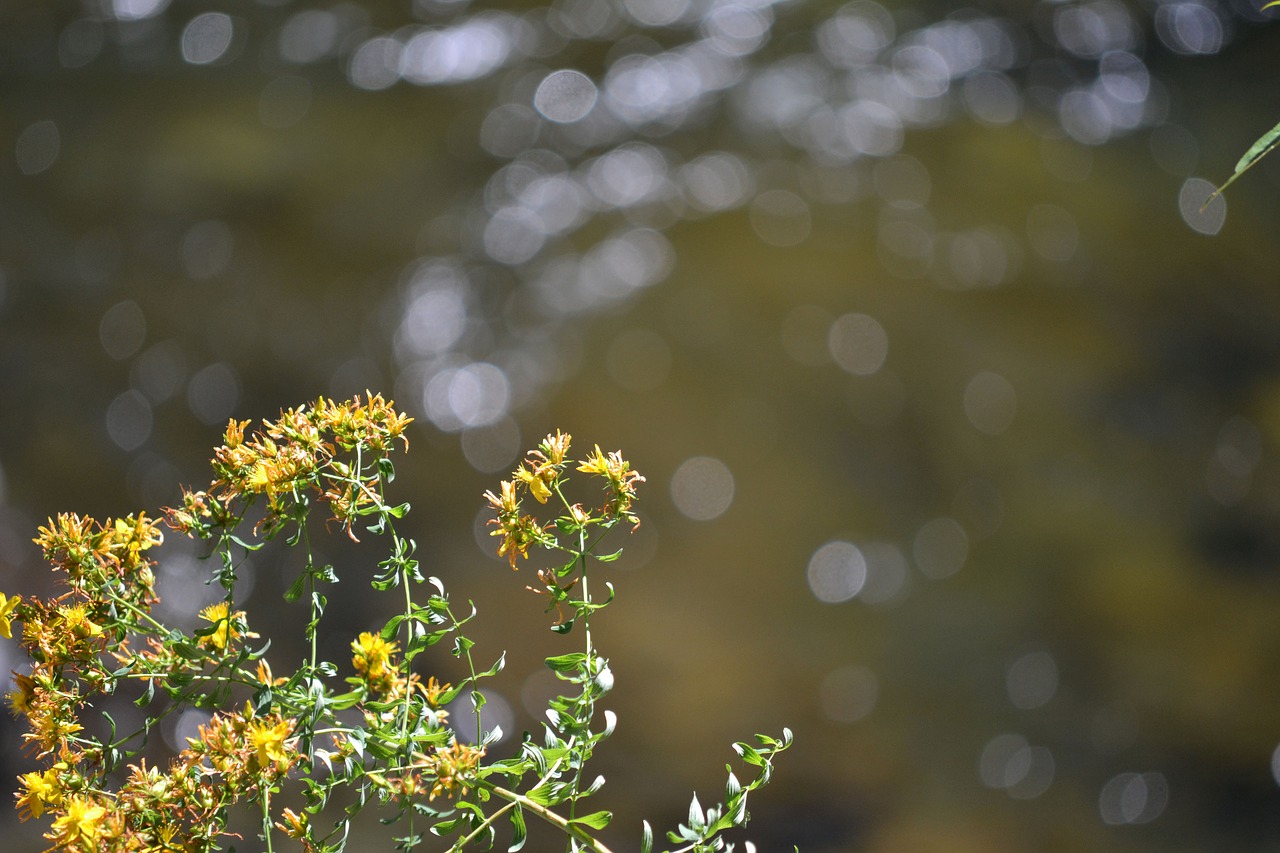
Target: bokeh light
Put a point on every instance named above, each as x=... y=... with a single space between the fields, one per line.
x=836 y=572
x=702 y=488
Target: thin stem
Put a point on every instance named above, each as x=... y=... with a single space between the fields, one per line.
x=408 y=636
x=311 y=590
x=571 y=829
x=266 y=816
x=489 y=821
x=471 y=668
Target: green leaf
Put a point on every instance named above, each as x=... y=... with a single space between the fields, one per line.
x=749 y=755
x=519 y=833
x=595 y=820
x=570 y=662
x=732 y=787
x=609 y=558
x=646 y=841
x=1259 y=149
x=497 y=667
x=697 y=819
x=393 y=624
x=541 y=794
x=185 y=650
x=462 y=645
x=534 y=756
x=594 y=786
x=294 y=592
x=452 y=693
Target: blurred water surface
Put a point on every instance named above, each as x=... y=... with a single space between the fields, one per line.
x=959 y=415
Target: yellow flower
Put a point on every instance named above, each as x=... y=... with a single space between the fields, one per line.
x=220 y=615
x=537 y=486
x=42 y=789
x=77 y=622
x=453 y=768
x=507 y=504
x=81 y=821
x=435 y=690
x=596 y=463
x=268 y=740
x=7 y=606
x=235 y=433
x=20 y=699
x=372 y=659
x=556 y=447
x=621 y=479
x=293 y=824
x=260 y=477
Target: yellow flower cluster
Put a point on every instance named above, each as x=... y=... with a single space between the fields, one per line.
x=541 y=475
x=297 y=452
x=98 y=637
x=452 y=769
x=110 y=554
x=106 y=567
x=621 y=482
x=372 y=660
x=237 y=756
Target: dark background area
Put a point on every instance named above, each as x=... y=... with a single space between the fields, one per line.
x=959 y=418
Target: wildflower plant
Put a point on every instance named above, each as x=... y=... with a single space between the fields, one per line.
x=330 y=738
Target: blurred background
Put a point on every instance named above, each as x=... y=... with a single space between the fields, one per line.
x=960 y=418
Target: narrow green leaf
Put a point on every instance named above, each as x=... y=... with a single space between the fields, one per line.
x=697 y=819
x=749 y=755
x=519 y=833
x=732 y=787
x=462 y=645
x=497 y=667
x=294 y=592
x=646 y=841
x=1259 y=149
x=595 y=820
x=393 y=624
x=185 y=650
x=570 y=662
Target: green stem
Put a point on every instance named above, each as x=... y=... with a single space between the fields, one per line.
x=266 y=816
x=566 y=826
x=313 y=625
x=489 y=821
x=471 y=668
x=588 y=664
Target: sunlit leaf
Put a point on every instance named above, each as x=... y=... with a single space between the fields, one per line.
x=519 y=833
x=595 y=820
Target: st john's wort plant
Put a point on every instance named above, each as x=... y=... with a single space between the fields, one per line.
x=331 y=736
